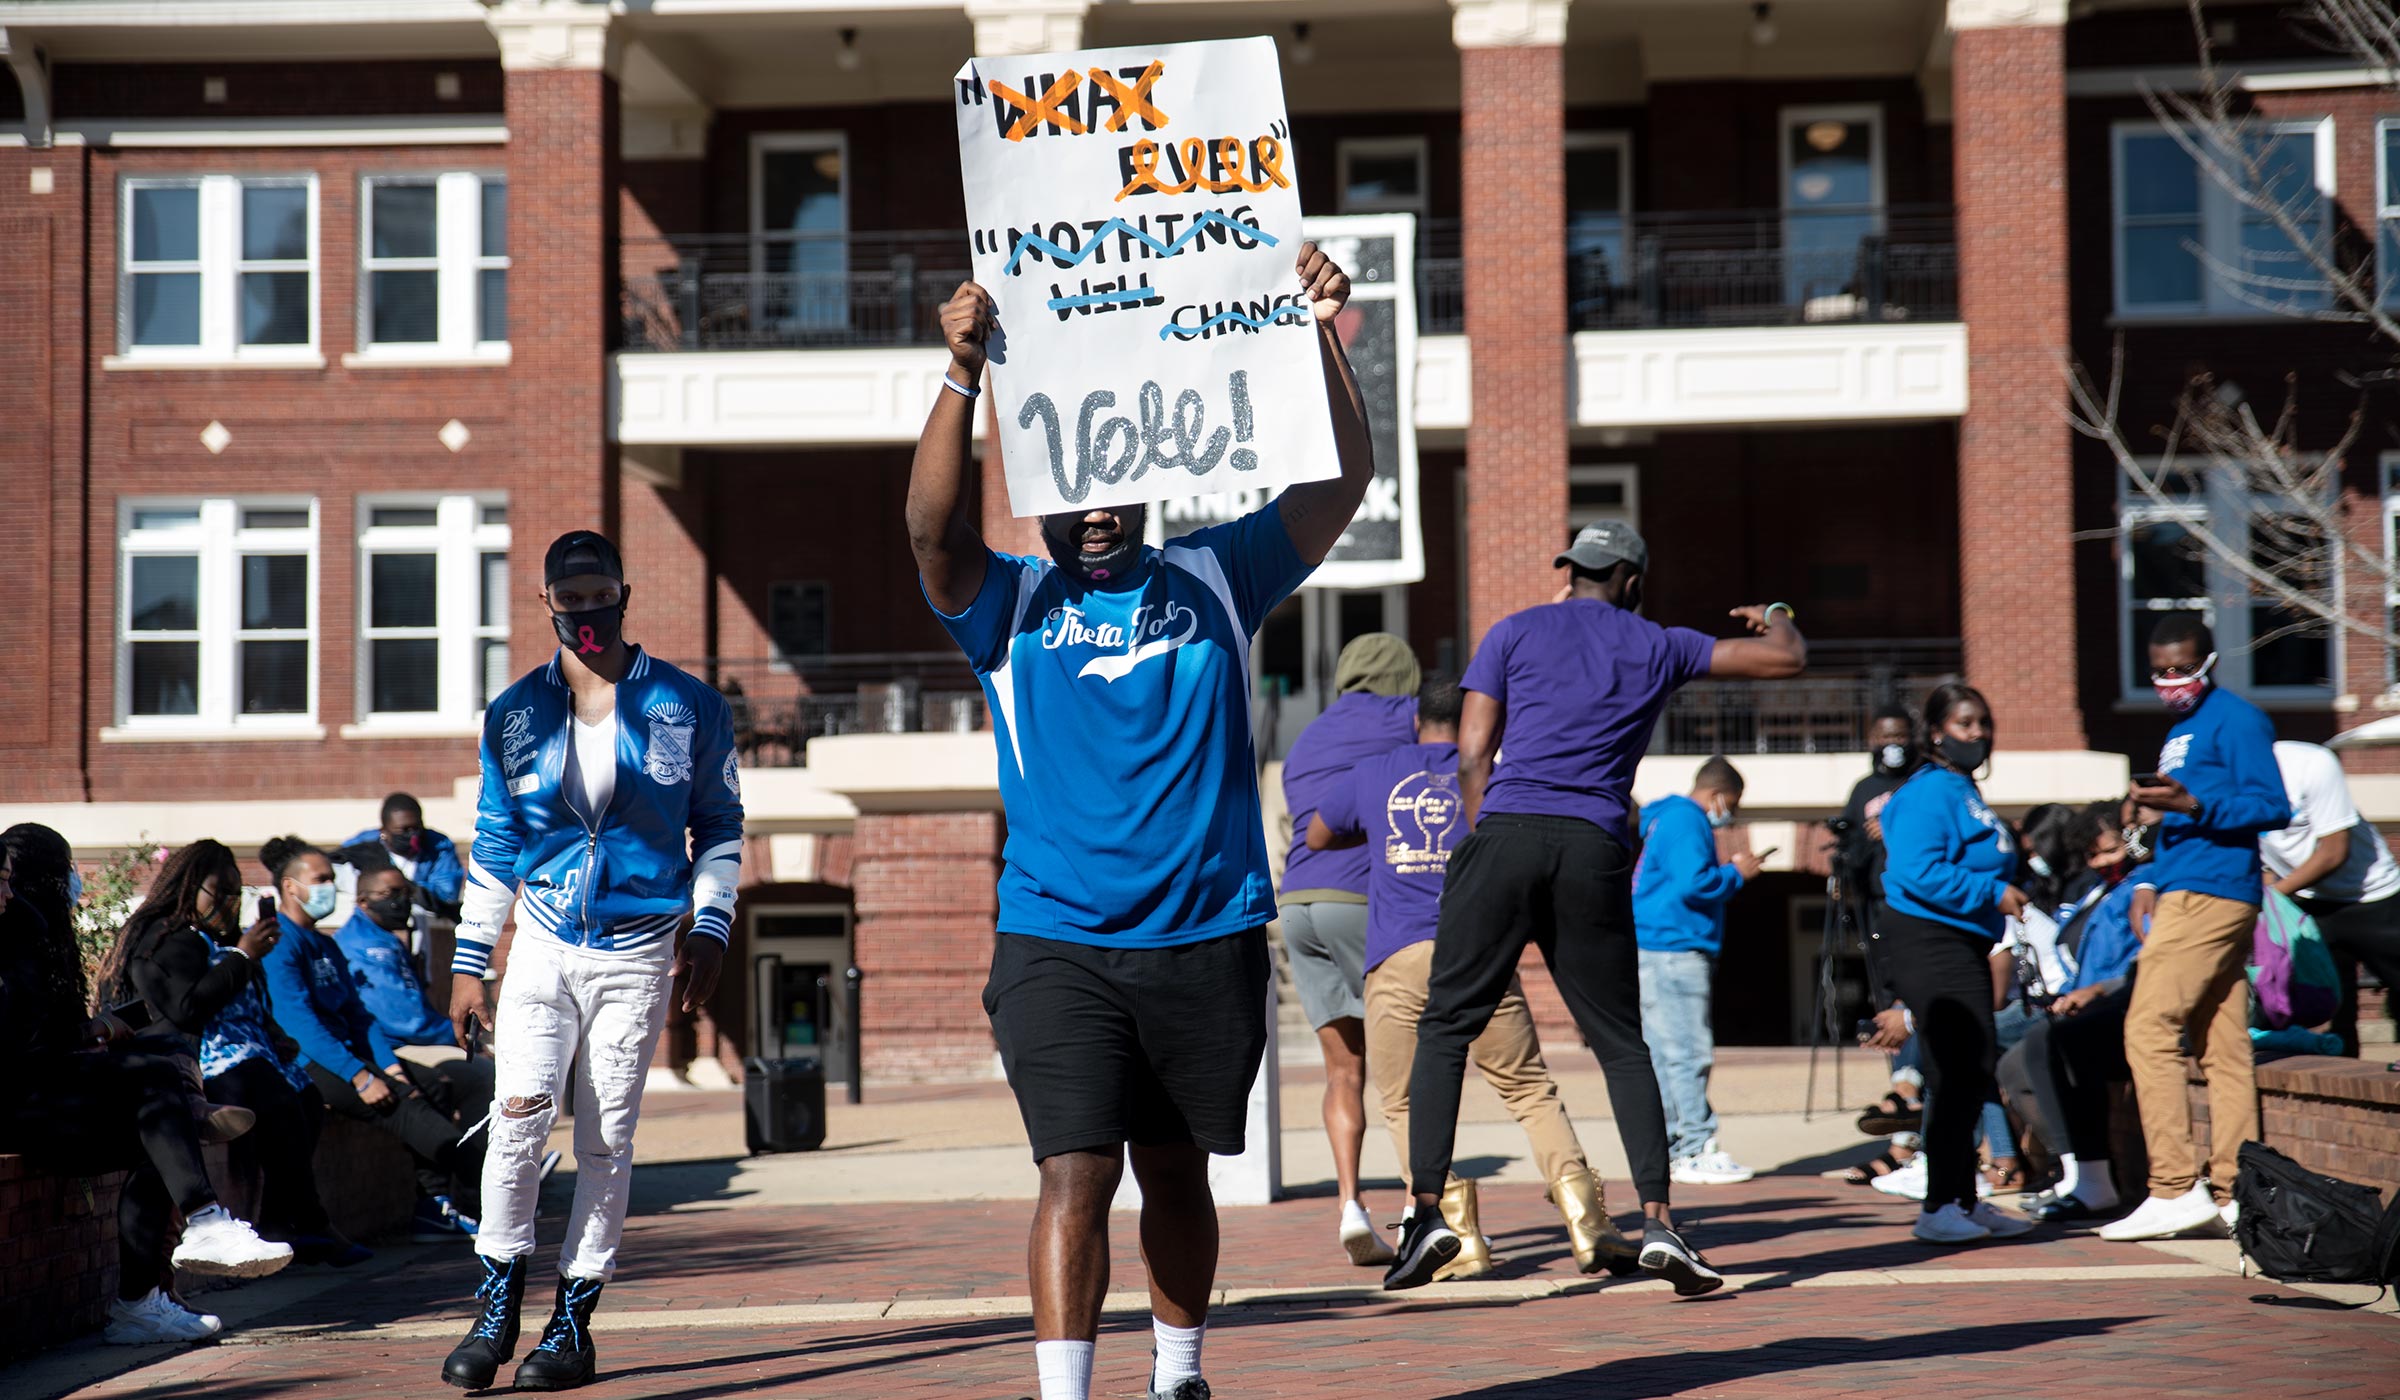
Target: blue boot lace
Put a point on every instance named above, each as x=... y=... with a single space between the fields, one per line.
x=566 y=1332
x=493 y=1294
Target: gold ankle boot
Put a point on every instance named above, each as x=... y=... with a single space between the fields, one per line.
x=1597 y=1244
x=1459 y=1212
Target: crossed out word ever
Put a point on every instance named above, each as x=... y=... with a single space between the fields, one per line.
x=1130 y=102
x=1190 y=166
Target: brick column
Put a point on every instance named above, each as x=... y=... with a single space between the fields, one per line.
x=558 y=56
x=1513 y=190
x=926 y=885
x=2015 y=459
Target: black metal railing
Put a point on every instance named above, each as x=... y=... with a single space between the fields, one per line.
x=738 y=293
x=779 y=705
x=1826 y=711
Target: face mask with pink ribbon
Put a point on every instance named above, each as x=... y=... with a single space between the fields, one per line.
x=2182 y=694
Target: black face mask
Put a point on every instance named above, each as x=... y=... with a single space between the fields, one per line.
x=1962 y=754
x=390 y=912
x=1110 y=567
x=590 y=632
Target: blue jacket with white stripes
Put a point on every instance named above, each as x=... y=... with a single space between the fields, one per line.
x=669 y=842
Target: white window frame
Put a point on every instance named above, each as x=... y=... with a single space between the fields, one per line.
x=220 y=266
x=2226 y=608
x=1871 y=113
x=2221 y=217
x=2388 y=464
x=1624 y=474
x=2387 y=217
x=458 y=263
x=458 y=539
x=1415 y=146
x=221 y=542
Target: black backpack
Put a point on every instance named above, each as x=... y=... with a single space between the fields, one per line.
x=2300 y=1226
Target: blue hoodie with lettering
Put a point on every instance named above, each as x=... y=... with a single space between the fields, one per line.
x=2223 y=753
x=1680 y=888
x=1947 y=858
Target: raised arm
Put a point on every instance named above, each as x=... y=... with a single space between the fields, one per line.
x=949 y=549
x=1479 y=726
x=1773 y=651
x=1315 y=513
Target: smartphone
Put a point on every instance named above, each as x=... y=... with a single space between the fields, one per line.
x=135 y=1013
x=1762 y=855
x=2147 y=780
x=266 y=906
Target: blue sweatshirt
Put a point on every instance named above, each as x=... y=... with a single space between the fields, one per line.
x=1946 y=857
x=1680 y=888
x=2223 y=753
x=313 y=999
x=388 y=984
x=2110 y=943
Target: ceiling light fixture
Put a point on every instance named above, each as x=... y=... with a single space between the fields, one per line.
x=1302 y=50
x=1762 y=24
x=847 y=57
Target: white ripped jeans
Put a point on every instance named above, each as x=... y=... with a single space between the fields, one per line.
x=561 y=1007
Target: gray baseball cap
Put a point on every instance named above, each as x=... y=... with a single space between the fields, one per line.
x=1600 y=547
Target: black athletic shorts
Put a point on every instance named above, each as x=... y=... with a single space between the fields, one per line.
x=1152 y=1046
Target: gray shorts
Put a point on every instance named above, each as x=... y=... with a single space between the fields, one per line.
x=1328 y=947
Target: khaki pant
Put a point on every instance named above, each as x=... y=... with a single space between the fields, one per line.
x=2191 y=976
x=1508 y=1053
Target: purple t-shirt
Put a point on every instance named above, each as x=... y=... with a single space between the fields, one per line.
x=1355 y=726
x=1582 y=683
x=1407 y=803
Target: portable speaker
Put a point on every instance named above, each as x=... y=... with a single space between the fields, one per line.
x=783 y=1105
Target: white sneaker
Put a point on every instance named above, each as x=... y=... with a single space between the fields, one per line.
x=2156 y=1218
x=2231 y=1214
x=1908 y=1182
x=1998 y=1222
x=156 y=1318
x=1360 y=1240
x=1711 y=1167
x=215 y=1242
x=1949 y=1225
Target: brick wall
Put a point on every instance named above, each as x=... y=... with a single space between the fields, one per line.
x=1513 y=184
x=2015 y=501
x=58 y=1254
x=2333 y=1115
x=926 y=888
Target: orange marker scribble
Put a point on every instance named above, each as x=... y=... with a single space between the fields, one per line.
x=1134 y=101
x=1194 y=153
x=1045 y=109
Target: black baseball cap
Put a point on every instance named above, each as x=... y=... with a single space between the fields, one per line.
x=581 y=552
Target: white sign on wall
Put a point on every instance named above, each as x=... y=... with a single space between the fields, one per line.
x=1134 y=213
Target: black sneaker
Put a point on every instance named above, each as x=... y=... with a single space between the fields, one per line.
x=1189 y=1388
x=1665 y=1254
x=1426 y=1244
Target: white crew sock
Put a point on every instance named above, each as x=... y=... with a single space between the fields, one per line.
x=1177 y=1354
x=2094 y=1186
x=1065 y=1369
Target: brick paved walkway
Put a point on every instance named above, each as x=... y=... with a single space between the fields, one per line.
x=852 y=1302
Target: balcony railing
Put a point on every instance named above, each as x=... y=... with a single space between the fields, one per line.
x=779 y=705
x=1826 y=711
x=1657 y=271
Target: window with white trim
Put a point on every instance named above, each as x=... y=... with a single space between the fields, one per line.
x=2387 y=210
x=1381 y=175
x=216 y=267
x=217 y=611
x=433 y=255
x=433 y=607
x=2166 y=206
x=1603 y=492
x=2266 y=648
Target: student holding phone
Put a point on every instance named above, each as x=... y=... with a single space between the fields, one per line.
x=1680 y=890
x=1948 y=860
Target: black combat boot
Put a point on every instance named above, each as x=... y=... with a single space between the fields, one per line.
x=475 y=1362
x=562 y=1359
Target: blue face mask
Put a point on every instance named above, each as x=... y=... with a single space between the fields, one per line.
x=319 y=901
x=1720 y=820
x=74 y=887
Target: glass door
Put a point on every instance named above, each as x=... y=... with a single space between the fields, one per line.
x=1832 y=202
x=799 y=233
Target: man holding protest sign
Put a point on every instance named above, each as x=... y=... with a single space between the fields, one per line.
x=1129 y=981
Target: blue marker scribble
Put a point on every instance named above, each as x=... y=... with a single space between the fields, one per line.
x=1172 y=329
x=1138 y=295
x=1099 y=238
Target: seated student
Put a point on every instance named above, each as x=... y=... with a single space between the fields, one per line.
x=353 y=1064
x=2335 y=866
x=1680 y=890
x=83 y=1096
x=375 y=942
x=185 y=953
x=1404 y=807
x=425 y=856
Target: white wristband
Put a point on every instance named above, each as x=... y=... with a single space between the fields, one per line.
x=960 y=389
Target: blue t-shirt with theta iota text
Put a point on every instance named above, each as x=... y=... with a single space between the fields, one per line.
x=1122 y=718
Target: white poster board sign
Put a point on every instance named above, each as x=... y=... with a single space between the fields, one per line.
x=1135 y=214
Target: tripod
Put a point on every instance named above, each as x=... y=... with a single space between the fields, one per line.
x=1846 y=912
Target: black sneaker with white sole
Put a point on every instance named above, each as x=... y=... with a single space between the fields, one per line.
x=1665 y=1254
x=1426 y=1244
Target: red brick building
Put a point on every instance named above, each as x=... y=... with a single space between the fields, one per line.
x=325 y=317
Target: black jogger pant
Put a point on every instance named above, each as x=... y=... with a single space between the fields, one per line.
x=1944 y=976
x=443 y=1166
x=2356 y=933
x=281 y=1147
x=1565 y=886
x=100 y=1111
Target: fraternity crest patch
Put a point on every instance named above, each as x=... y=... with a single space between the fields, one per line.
x=669 y=760
x=733 y=777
